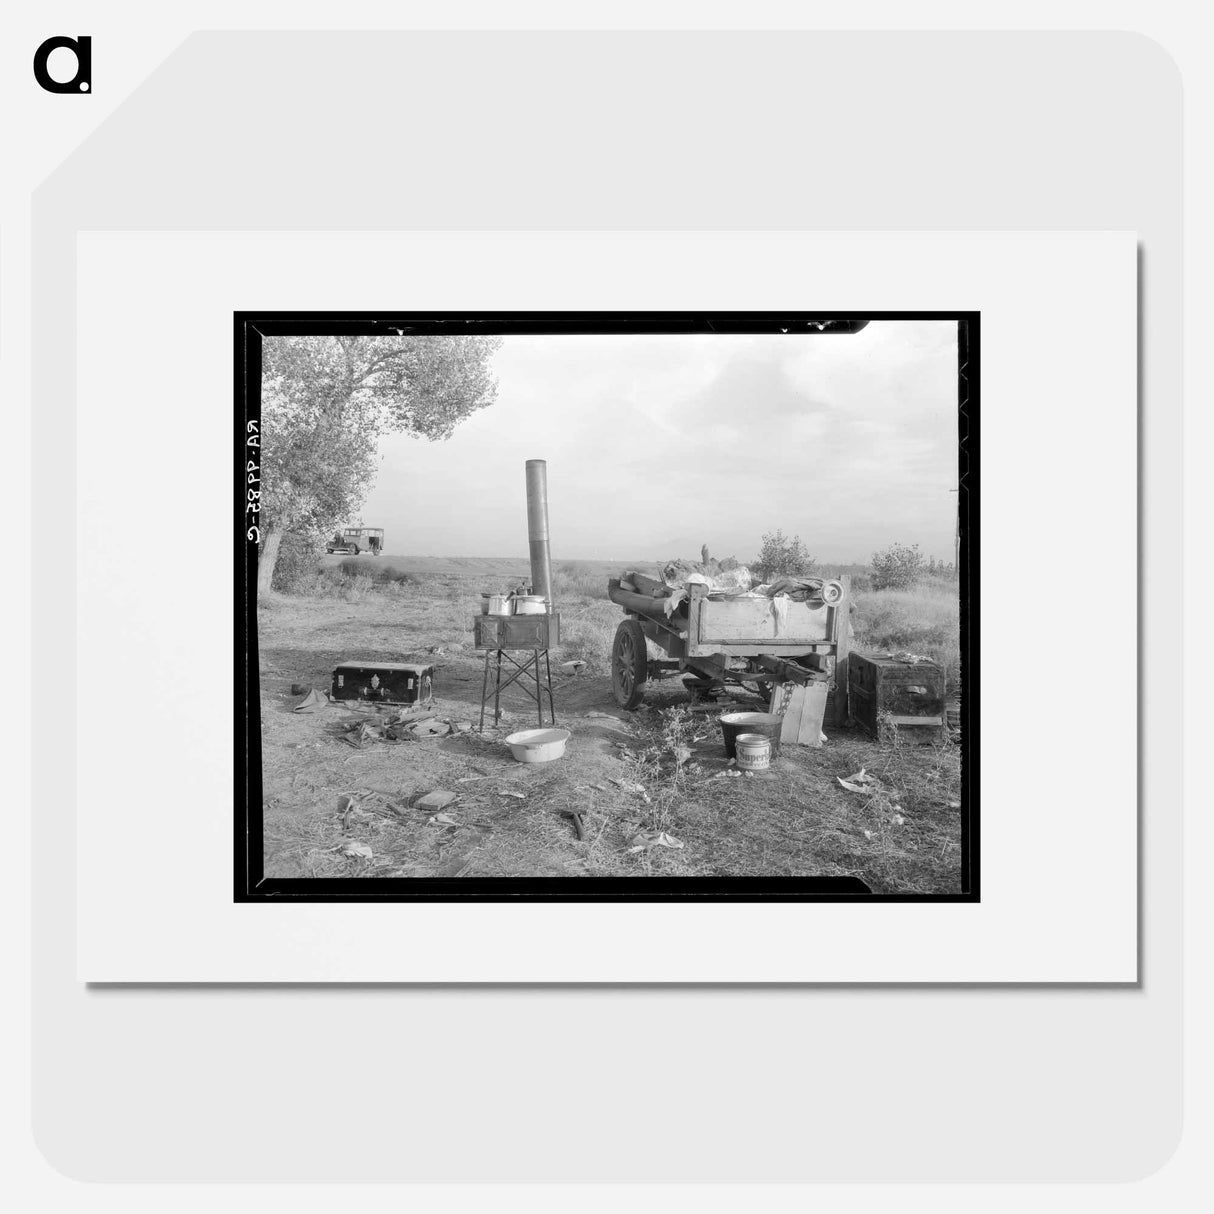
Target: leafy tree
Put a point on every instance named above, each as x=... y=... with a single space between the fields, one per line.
x=782 y=557
x=897 y=567
x=326 y=400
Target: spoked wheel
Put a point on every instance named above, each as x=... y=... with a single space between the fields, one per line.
x=629 y=664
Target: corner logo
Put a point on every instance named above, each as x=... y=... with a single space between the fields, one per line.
x=82 y=81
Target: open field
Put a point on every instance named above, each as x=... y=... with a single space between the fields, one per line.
x=793 y=820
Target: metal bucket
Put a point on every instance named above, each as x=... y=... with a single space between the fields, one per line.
x=529 y=604
x=766 y=724
x=754 y=752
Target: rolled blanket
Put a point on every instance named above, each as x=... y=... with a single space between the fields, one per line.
x=798 y=589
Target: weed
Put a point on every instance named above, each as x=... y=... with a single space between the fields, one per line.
x=925 y=620
x=573 y=580
x=663 y=760
x=887 y=729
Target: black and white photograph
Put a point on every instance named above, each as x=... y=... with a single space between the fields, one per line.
x=598 y=606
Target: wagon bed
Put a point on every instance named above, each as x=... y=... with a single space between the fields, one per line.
x=726 y=638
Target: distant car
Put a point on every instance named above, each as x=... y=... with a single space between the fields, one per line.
x=353 y=540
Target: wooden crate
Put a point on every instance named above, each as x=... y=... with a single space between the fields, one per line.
x=912 y=693
x=801 y=708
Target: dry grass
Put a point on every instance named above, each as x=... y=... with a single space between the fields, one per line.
x=925 y=620
x=796 y=820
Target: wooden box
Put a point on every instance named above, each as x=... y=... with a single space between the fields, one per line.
x=516 y=631
x=912 y=693
x=384 y=682
x=802 y=708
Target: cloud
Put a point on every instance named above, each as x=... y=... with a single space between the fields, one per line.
x=850 y=440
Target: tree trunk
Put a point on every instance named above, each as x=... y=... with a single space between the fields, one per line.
x=267 y=558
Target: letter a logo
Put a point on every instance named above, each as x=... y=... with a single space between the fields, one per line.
x=82 y=81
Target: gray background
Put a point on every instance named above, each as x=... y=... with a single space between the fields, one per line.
x=567 y=131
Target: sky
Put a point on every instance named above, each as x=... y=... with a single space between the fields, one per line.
x=658 y=444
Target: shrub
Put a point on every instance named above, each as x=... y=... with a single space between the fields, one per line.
x=353 y=568
x=940 y=572
x=897 y=567
x=781 y=556
x=587 y=633
x=571 y=579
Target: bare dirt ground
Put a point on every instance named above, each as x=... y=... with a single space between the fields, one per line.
x=621 y=770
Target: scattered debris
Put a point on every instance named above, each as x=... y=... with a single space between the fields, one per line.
x=443 y=820
x=506 y=792
x=606 y=716
x=355 y=848
x=898 y=819
x=579 y=830
x=425 y=730
x=860 y=782
x=348 y=808
x=440 y=798
x=648 y=839
x=364 y=805
x=574 y=667
x=954 y=805
x=631 y=786
x=314 y=701
x=361 y=734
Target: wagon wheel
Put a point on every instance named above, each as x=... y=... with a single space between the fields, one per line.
x=629 y=664
x=355 y=549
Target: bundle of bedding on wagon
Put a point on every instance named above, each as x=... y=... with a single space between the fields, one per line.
x=669 y=594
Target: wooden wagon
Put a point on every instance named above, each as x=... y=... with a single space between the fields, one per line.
x=727 y=638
